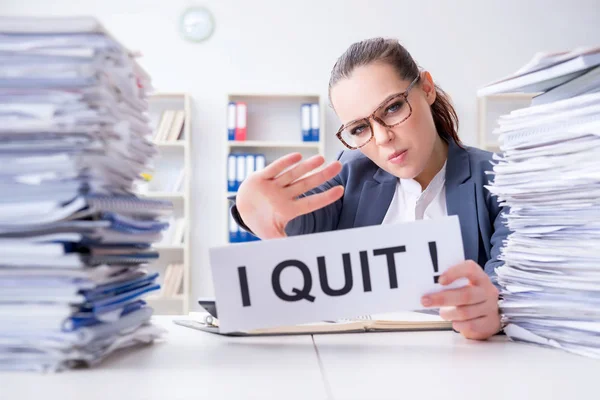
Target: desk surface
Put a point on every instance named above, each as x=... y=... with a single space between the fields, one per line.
x=187 y=364
x=445 y=365
x=190 y=364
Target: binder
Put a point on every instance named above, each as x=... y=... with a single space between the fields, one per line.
x=250 y=164
x=231 y=121
x=176 y=127
x=240 y=127
x=233 y=230
x=231 y=173
x=260 y=162
x=314 y=122
x=244 y=235
x=306 y=122
x=240 y=170
x=388 y=322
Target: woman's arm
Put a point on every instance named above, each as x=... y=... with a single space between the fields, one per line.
x=501 y=231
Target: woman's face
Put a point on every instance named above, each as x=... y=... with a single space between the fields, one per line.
x=406 y=149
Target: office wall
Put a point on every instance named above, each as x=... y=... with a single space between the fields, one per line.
x=285 y=46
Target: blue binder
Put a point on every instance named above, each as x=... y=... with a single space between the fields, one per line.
x=244 y=235
x=233 y=230
x=305 y=118
x=260 y=162
x=250 y=164
x=231 y=121
x=240 y=170
x=314 y=122
x=231 y=173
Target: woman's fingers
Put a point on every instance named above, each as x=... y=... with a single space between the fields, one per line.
x=455 y=297
x=280 y=165
x=312 y=181
x=468 y=269
x=315 y=202
x=288 y=177
x=465 y=313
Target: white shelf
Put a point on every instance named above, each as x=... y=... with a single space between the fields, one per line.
x=176 y=144
x=172 y=156
x=273 y=128
x=490 y=108
x=274 y=95
x=283 y=145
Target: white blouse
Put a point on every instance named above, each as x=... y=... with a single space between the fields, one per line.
x=410 y=203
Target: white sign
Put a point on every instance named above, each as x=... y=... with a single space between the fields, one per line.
x=332 y=275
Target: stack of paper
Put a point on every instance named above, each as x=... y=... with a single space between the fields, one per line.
x=73 y=237
x=549 y=177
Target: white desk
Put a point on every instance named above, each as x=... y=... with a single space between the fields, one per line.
x=444 y=365
x=191 y=364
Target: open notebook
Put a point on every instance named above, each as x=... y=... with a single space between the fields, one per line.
x=401 y=321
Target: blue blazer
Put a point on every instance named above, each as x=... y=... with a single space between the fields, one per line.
x=369 y=190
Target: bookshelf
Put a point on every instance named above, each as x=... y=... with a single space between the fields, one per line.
x=274 y=129
x=490 y=108
x=171 y=173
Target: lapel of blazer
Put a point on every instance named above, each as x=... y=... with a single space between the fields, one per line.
x=378 y=192
x=375 y=198
x=460 y=198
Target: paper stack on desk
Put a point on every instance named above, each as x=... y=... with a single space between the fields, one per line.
x=73 y=237
x=549 y=176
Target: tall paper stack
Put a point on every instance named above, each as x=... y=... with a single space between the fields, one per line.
x=73 y=237
x=549 y=177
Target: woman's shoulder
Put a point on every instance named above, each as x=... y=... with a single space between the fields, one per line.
x=479 y=159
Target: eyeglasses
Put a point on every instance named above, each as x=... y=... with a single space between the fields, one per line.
x=392 y=112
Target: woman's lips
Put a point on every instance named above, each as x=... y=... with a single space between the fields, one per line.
x=398 y=157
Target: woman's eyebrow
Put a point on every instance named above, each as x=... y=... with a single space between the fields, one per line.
x=391 y=96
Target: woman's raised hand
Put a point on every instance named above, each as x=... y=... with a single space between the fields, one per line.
x=267 y=200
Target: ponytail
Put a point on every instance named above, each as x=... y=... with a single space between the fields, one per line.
x=444 y=117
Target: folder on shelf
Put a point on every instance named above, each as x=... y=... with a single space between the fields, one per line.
x=261 y=162
x=241 y=115
x=314 y=122
x=243 y=235
x=178 y=232
x=177 y=126
x=164 y=126
x=231 y=173
x=250 y=164
x=231 y=121
x=306 y=122
x=233 y=230
x=240 y=170
x=173 y=280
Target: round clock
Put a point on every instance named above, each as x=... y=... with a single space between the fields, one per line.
x=197 y=24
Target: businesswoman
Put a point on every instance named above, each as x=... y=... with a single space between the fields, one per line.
x=404 y=161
